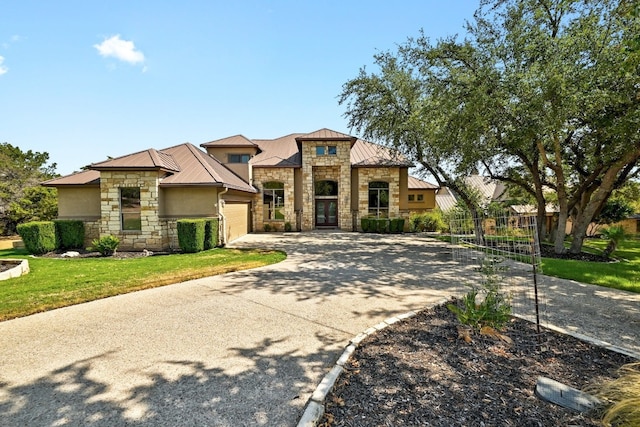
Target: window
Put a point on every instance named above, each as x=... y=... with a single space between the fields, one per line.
x=379 y=199
x=239 y=158
x=130 y=218
x=420 y=197
x=412 y=197
x=320 y=150
x=333 y=150
x=326 y=188
x=273 y=199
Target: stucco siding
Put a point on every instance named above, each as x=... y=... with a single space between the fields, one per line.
x=188 y=202
x=78 y=202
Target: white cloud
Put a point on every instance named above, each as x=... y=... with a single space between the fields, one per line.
x=3 y=69
x=123 y=50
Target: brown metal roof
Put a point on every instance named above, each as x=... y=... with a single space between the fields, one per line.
x=418 y=184
x=232 y=141
x=88 y=177
x=326 y=135
x=368 y=154
x=280 y=152
x=186 y=164
x=199 y=168
x=147 y=159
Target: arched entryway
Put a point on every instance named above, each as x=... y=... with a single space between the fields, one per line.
x=326 y=203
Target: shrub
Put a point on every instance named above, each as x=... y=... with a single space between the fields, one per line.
x=396 y=225
x=622 y=397
x=39 y=237
x=69 y=233
x=191 y=235
x=211 y=227
x=382 y=225
x=415 y=222
x=615 y=234
x=106 y=245
x=364 y=224
x=494 y=310
x=432 y=221
x=287 y=226
x=267 y=227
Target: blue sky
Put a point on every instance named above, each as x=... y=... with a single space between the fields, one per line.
x=84 y=80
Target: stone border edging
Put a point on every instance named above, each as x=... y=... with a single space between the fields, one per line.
x=315 y=406
x=22 y=267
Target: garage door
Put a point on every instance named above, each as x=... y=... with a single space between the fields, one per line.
x=237 y=216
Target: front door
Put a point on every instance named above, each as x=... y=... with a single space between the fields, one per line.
x=326 y=213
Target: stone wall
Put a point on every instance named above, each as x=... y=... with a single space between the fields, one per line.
x=284 y=175
x=153 y=231
x=326 y=167
x=390 y=175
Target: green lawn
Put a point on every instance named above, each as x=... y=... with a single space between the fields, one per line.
x=624 y=274
x=54 y=283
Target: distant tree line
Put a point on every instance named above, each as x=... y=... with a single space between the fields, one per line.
x=22 y=198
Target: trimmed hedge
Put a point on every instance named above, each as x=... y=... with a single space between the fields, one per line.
x=69 y=233
x=191 y=235
x=382 y=225
x=39 y=237
x=211 y=227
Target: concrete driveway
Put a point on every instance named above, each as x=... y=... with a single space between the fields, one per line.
x=246 y=348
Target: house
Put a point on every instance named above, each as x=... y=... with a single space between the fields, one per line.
x=421 y=195
x=323 y=179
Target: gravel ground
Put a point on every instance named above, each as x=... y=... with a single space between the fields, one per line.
x=420 y=372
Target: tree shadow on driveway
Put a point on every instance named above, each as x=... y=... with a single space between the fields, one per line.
x=174 y=392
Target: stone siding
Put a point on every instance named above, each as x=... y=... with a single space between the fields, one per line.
x=326 y=167
x=284 y=175
x=153 y=231
x=390 y=175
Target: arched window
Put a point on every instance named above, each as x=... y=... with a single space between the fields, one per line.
x=379 y=199
x=273 y=199
x=326 y=188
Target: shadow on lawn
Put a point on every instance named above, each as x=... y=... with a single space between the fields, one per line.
x=172 y=392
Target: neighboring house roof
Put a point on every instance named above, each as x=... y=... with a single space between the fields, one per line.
x=279 y=152
x=418 y=184
x=445 y=199
x=489 y=189
x=532 y=209
x=147 y=159
x=232 y=141
x=368 y=154
x=87 y=177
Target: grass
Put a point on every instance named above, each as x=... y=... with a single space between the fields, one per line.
x=54 y=283
x=624 y=274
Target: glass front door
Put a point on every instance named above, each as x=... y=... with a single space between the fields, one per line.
x=326 y=213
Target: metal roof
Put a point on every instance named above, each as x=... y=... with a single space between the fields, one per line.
x=147 y=159
x=326 y=135
x=445 y=199
x=185 y=164
x=280 y=152
x=87 y=177
x=418 y=184
x=232 y=141
x=368 y=154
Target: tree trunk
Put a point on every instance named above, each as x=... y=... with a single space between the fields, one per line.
x=596 y=200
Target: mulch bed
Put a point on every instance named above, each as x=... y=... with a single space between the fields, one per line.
x=89 y=254
x=421 y=372
x=546 y=251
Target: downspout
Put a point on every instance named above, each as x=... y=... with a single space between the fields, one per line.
x=223 y=219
